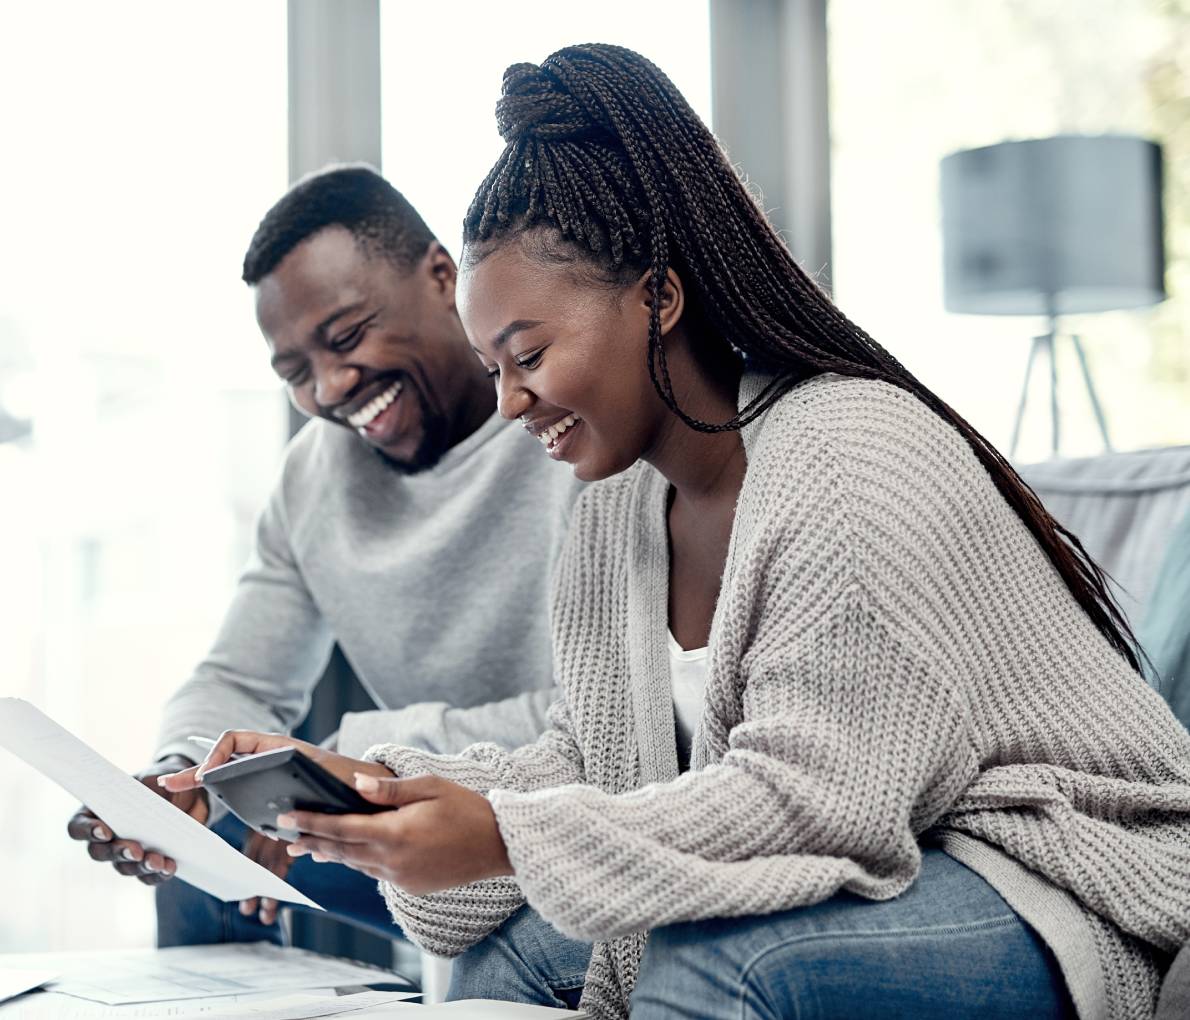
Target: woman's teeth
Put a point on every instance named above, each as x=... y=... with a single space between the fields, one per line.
x=373 y=407
x=554 y=431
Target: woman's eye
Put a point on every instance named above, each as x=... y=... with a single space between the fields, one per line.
x=530 y=360
x=491 y=373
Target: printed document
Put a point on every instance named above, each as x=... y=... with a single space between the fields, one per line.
x=134 y=811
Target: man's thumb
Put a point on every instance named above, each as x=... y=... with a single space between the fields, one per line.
x=396 y=792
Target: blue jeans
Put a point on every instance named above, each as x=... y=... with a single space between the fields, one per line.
x=187 y=916
x=949 y=946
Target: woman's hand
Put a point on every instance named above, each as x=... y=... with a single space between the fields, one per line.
x=444 y=835
x=247 y=742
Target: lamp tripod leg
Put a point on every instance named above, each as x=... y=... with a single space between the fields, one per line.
x=1095 y=406
x=1055 y=414
x=1020 y=408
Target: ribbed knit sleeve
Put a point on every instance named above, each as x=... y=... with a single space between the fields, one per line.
x=850 y=745
x=553 y=759
x=449 y=922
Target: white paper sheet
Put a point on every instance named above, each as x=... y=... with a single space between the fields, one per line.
x=16 y=982
x=307 y=1007
x=472 y=1009
x=164 y=977
x=134 y=811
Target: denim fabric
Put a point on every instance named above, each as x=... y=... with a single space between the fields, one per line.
x=187 y=916
x=524 y=960
x=947 y=947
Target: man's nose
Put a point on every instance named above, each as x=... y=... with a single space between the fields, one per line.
x=333 y=383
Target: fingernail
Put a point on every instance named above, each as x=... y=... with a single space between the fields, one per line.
x=286 y=822
x=99 y=832
x=127 y=854
x=294 y=850
x=369 y=784
x=161 y=781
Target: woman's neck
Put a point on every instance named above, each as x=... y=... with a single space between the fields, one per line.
x=703 y=467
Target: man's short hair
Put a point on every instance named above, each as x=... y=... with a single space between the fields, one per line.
x=355 y=197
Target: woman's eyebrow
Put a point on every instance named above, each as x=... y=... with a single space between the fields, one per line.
x=514 y=327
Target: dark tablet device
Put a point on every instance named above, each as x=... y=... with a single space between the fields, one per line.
x=258 y=787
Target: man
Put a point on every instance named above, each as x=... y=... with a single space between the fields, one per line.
x=410 y=525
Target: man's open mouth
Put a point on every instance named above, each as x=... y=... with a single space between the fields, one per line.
x=362 y=418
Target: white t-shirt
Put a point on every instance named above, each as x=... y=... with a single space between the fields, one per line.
x=688 y=670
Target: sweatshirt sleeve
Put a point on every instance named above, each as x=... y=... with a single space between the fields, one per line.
x=270 y=651
x=441 y=728
x=851 y=742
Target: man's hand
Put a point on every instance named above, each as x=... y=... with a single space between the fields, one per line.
x=127 y=856
x=444 y=835
x=270 y=854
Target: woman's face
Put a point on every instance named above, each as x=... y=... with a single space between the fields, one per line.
x=568 y=357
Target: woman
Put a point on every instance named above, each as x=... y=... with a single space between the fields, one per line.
x=915 y=771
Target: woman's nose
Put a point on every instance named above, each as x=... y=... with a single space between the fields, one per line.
x=512 y=400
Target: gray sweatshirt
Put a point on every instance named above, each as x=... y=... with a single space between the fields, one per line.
x=892 y=658
x=435 y=587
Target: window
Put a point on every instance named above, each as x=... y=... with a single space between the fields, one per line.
x=143 y=142
x=440 y=79
x=913 y=82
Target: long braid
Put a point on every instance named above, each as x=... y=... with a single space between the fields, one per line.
x=603 y=148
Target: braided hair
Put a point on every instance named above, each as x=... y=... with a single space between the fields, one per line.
x=606 y=164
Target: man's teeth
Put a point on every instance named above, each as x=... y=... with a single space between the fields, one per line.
x=373 y=407
x=554 y=431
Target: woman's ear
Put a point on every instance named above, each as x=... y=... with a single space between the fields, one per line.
x=672 y=297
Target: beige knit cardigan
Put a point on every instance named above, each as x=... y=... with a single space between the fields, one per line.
x=892 y=659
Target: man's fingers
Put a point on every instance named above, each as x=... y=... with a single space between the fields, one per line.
x=268 y=910
x=397 y=792
x=249 y=907
x=125 y=850
x=85 y=826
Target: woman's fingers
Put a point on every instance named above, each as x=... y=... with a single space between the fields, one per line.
x=180 y=782
x=398 y=792
x=341 y=828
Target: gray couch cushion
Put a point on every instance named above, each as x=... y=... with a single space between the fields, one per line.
x=1123 y=507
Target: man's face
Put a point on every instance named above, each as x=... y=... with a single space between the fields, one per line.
x=368 y=347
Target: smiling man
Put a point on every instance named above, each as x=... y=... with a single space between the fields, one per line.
x=410 y=525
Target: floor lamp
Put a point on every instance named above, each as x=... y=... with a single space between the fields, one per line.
x=1053 y=226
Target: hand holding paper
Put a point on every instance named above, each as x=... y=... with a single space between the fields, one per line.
x=134 y=811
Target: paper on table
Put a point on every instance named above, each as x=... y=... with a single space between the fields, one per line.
x=167 y=976
x=475 y=1009
x=16 y=982
x=307 y=1007
x=134 y=811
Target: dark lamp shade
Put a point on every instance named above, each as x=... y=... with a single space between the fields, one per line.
x=1053 y=226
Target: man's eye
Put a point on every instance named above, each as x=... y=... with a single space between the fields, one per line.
x=530 y=360
x=347 y=340
x=297 y=379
